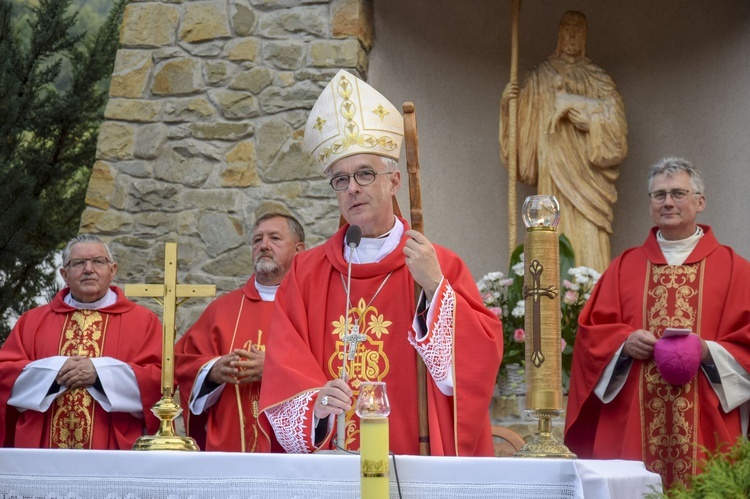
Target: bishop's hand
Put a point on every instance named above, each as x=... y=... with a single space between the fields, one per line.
x=422 y=261
x=334 y=398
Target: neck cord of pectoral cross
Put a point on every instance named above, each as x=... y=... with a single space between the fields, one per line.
x=351 y=340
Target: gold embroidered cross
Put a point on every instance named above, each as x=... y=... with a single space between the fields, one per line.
x=319 y=122
x=71 y=420
x=536 y=291
x=380 y=111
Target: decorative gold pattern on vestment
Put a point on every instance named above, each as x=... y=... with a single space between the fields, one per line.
x=319 y=122
x=352 y=134
x=251 y=392
x=370 y=363
x=380 y=111
x=669 y=413
x=72 y=422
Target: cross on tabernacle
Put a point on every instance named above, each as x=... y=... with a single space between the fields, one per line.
x=536 y=291
x=353 y=340
x=167 y=294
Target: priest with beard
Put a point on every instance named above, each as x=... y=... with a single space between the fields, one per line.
x=355 y=136
x=219 y=362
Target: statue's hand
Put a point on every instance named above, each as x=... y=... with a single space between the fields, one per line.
x=510 y=92
x=579 y=118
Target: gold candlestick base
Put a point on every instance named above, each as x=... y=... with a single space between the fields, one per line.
x=544 y=444
x=165 y=439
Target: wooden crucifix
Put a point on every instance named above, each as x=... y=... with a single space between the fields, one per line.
x=535 y=292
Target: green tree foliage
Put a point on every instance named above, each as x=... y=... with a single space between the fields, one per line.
x=47 y=140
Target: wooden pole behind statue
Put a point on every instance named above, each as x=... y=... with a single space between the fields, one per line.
x=513 y=129
x=411 y=140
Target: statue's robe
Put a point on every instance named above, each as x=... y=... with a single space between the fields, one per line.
x=578 y=167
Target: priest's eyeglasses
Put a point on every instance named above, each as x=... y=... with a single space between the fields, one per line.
x=362 y=177
x=80 y=263
x=677 y=195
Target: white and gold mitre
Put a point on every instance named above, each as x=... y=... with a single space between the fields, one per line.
x=350 y=117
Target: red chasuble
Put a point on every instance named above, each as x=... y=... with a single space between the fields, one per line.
x=238 y=319
x=650 y=420
x=123 y=331
x=306 y=350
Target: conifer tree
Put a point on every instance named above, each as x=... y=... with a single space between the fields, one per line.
x=47 y=142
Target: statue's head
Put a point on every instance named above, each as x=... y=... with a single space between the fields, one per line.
x=571 y=39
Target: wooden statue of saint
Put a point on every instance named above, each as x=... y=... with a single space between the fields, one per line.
x=572 y=136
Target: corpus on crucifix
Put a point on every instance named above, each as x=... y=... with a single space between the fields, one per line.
x=170 y=295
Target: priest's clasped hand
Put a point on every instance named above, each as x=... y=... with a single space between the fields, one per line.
x=334 y=398
x=239 y=367
x=77 y=372
x=423 y=262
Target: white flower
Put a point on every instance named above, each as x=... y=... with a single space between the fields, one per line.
x=519 y=310
x=494 y=276
x=506 y=282
x=482 y=286
x=518 y=268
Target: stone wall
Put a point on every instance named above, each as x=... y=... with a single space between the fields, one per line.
x=203 y=130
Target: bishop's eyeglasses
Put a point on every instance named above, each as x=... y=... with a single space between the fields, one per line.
x=80 y=263
x=362 y=177
x=676 y=194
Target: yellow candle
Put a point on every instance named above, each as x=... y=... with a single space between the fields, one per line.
x=373 y=451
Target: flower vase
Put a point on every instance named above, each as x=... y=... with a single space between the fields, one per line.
x=513 y=381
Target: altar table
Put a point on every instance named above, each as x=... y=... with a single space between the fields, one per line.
x=73 y=474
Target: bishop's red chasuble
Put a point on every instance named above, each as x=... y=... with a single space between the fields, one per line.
x=650 y=420
x=306 y=350
x=123 y=331
x=239 y=319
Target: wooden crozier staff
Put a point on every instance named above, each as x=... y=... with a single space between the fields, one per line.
x=512 y=129
x=411 y=141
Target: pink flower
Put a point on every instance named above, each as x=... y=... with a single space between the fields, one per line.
x=563 y=344
x=570 y=297
x=497 y=311
x=567 y=284
x=487 y=297
x=519 y=335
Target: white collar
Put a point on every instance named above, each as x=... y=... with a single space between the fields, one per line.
x=105 y=301
x=677 y=251
x=374 y=249
x=267 y=293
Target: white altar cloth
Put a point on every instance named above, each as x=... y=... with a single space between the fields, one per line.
x=27 y=473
